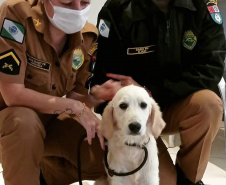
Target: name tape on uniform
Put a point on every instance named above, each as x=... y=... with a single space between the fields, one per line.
x=140 y=50
x=38 y=63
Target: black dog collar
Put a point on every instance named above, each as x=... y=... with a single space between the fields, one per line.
x=112 y=172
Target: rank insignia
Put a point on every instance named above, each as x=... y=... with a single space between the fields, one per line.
x=13 y=30
x=189 y=40
x=212 y=1
x=36 y=22
x=78 y=59
x=214 y=11
x=10 y=63
x=104 y=28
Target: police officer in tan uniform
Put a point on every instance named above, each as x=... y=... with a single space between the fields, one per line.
x=46 y=52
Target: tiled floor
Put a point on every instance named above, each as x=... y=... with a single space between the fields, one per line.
x=216 y=169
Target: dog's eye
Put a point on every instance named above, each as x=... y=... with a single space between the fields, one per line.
x=123 y=106
x=143 y=105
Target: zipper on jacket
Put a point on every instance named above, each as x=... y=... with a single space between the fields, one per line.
x=167 y=38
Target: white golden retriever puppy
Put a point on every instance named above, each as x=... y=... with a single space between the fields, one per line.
x=130 y=121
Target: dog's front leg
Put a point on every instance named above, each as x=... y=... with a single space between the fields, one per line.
x=151 y=178
x=118 y=181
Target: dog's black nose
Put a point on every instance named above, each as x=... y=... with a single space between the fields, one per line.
x=134 y=127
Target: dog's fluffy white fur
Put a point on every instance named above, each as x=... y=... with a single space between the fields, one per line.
x=132 y=106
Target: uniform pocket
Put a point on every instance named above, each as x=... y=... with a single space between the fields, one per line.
x=37 y=79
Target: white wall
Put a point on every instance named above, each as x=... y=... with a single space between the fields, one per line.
x=96 y=5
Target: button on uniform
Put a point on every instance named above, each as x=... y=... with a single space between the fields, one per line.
x=57 y=64
x=53 y=86
x=29 y=76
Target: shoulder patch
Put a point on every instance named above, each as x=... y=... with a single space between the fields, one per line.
x=104 y=28
x=78 y=59
x=214 y=11
x=13 y=31
x=10 y=63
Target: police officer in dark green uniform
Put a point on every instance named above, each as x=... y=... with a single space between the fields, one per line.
x=176 y=50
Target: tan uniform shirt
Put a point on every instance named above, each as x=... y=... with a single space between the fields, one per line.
x=27 y=55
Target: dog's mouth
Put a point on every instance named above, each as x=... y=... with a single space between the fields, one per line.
x=131 y=139
x=135 y=134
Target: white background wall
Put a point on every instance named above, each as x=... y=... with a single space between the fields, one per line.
x=95 y=8
x=96 y=5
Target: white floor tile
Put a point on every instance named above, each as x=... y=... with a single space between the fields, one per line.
x=214 y=173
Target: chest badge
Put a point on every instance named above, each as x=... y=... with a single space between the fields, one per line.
x=214 y=11
x=189 y=40
x=78 y=59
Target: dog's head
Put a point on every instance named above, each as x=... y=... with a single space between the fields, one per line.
x=132 y=112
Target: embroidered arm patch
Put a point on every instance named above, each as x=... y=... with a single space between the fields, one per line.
x=13 y=31
x=214 y=11
x=10 y=63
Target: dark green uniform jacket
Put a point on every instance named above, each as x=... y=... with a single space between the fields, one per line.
x=173 y=56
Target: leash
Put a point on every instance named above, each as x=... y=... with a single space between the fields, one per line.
x=79 y=159
x=111 y=172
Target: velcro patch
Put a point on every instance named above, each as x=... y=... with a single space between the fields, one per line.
x=214 y=11
x=140 y=50
x=10 y=63
x=104 y=28
x=13 y=31
x=38 y=63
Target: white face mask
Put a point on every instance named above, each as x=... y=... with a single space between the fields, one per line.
x=68 y=20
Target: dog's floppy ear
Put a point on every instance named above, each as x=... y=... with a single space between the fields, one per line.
x=155 y=121
x=107 y=122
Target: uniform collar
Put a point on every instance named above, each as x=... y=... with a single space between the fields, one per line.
x=184 y=4
x=41 y=21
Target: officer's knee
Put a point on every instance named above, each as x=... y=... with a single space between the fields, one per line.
x=24 y=122
x=209 y=107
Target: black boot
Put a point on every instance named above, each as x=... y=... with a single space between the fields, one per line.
x=182 y=180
